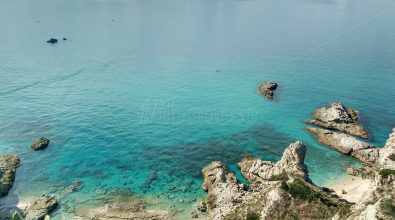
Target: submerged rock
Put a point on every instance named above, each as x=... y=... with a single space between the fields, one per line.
x=346 y=144
x=40 y=144
x=257 y=171
x=337 y=117
x=52 y=41
x=8 y=166
x=38 y=209
x=267 y=89
x=127 y=210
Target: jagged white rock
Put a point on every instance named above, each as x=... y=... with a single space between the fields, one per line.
x=257 y=171
x=346 y=144
x=338 y=117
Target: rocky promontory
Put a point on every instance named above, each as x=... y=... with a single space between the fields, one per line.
x=259 y=172
x=8 y=166
x=338 y=117
x=267 y=89
x=279 y=190
x=346 y=144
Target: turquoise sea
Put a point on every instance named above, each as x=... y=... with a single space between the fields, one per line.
x=144 y=93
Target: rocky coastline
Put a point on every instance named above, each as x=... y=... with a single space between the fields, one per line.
x=274 y=190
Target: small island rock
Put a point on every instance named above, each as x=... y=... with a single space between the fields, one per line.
x=40 y=144
x=267 y=89
x=338 y=117
x=52 y=41
x=8 y=166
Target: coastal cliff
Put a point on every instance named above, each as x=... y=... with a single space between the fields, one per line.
x=280 y=190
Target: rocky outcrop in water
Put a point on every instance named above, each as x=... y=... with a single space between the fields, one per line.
x=346 y=144
x=40 y=144
x=280 y=190
x=52 y=41
x=41 y=207
x=267 y=89
x=338 y=117
x=8 y=166
x=259 y=172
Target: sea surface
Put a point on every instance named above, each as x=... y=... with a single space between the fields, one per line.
x=144 y=93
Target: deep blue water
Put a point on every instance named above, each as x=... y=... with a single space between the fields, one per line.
x=143 y=94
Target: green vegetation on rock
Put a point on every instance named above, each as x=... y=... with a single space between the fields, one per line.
x=16 y=216
x=388 y=207
x=386 y=172
x=300 y=190
x=253 y=216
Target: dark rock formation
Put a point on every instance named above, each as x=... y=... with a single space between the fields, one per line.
x=338 y=117
x=8 y=166
x=40 y=144
x=267 y=89
x=52 y=41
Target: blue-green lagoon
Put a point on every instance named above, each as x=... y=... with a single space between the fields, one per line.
x=143 y=94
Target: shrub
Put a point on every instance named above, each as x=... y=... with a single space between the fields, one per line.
x=284 y=186
x=386 y=172
x=299 y=190
x=253 y=216
x=388 y=207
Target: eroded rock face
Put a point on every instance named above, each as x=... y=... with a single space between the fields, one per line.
x=8 y=166
x=224 y=192
x=40 y=144
x=387 y=153
x=41 y=207
x=338 y=117
x=259 y=172
x=267 y=89
x=346 y=144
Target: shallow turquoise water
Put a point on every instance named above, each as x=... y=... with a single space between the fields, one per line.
x=144 y=94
